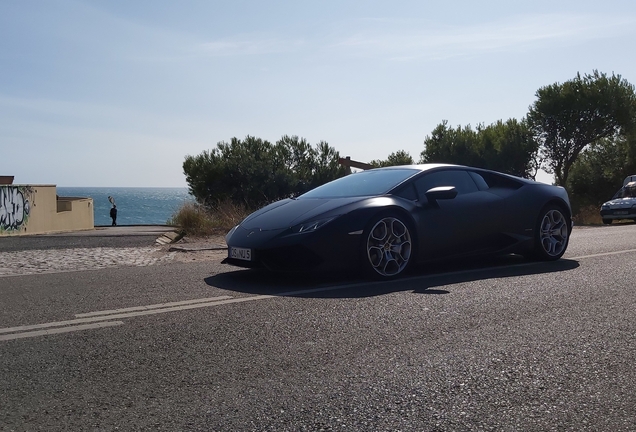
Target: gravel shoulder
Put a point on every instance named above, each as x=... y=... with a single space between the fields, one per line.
x=102 y=248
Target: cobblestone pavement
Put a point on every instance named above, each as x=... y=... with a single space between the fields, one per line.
x=61 y=260
x=59 y=254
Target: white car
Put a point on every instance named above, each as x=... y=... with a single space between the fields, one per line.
x=622 y=205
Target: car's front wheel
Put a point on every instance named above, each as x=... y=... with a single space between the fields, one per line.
x=552 y=233
x=388 y=246
x=607 y=221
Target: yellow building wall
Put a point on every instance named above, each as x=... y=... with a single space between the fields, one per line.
x=36 y=209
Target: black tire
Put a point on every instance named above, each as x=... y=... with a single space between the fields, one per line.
x=607 y=221
x=388 y=246
x=552 y=233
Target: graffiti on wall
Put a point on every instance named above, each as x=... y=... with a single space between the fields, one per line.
x=15 y=207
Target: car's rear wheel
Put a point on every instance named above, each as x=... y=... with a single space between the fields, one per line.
x=607 y=221
x=552 y=233
x=388 y=246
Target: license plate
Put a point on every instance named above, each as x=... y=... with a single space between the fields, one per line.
x=241 y=253
x=621 y=212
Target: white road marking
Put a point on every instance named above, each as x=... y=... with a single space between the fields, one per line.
x=116 y=316
x=98 y=318
x=59 y=330
x=604 y=254
x=155 y=306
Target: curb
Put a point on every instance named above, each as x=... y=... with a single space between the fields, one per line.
x=196 y=249
x=169 y=237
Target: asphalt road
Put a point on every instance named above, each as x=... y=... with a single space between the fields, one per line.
x=502 y=345
x=118 y=236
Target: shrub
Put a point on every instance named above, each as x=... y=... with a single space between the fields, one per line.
x=255 y=172
x=228 y=214
x=198 y=221
x=588 y=215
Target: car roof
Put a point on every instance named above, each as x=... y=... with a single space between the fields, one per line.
x=417 y=167
x=430 y=166
x=421 y=167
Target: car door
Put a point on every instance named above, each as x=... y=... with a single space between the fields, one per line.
x=461 y=225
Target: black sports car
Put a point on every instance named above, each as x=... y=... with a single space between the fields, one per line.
x=385 y=219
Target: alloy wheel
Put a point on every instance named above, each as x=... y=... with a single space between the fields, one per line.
x=389 y=247
x=554 y=233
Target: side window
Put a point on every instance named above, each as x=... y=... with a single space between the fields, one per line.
x=499 y=181
x=407 y=192
x=460 y=179
x=481 y=183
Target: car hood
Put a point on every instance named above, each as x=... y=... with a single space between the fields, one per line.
x=620 y=203
x=289 y=212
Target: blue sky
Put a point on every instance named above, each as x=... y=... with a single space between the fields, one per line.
x=117 y=93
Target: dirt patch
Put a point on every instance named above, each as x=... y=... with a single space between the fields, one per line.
x=197 y=256
x=192 y=249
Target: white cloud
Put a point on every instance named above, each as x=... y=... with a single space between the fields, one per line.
x=253 y=45
x=422 y=39
x=64 y=112
x=409 y=40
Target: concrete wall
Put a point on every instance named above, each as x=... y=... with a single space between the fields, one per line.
x=36 y=209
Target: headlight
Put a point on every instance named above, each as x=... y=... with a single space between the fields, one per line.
x=605 y=207
x=313 y=225
x=230 y=232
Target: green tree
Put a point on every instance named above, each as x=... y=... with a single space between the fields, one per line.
x=400 y=157
x=297 y=156
x=503 y=146
x=600 y=170
x=253 y=171
x=448 y=145
x=231 y=171
x=326 y=166
x=508 y=147
x=567 y=117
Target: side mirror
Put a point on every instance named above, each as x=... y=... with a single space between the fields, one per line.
x=441 y=193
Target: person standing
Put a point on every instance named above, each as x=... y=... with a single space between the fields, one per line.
x=113 y=214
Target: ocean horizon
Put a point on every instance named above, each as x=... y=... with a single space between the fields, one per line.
x=135 y=205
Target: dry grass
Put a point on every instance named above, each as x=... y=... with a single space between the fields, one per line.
x=198 y=221
x=194 y=220
x=589 y=215
x=228 y=214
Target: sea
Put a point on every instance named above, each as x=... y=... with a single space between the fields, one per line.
x=135 y=206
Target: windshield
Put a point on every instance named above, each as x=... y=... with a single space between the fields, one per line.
x=364 y=183
x=626 y=192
